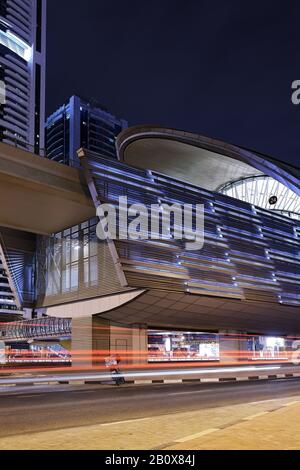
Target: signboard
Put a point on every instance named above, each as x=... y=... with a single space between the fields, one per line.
x=273 y=200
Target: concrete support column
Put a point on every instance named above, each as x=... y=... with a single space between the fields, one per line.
x=101 y=340
x=232 y=347
x=121 y=341
x=82 y=342
x=130 y=342
x=94 y=338
x=89 y=342
x=139 y=344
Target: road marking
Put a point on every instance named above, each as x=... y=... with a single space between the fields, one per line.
x=191 y=393
x=29 y=396
x=262 y=401
x=126 y=421
x=249 y=418
x=38 y=384
x=199 y=434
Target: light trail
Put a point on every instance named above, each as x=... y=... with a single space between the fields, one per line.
x=135 y=375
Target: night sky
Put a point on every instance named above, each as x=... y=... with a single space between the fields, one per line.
x=219 y=68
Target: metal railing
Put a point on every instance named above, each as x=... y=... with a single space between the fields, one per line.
x=36 y=329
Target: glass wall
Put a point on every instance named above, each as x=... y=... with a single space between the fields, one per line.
x=176 y=346
x=172 y=346
x=63 y=255
x=74 y=265
x=268 y=347
x=27 y=354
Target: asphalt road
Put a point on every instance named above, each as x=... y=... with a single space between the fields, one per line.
x=58 y=407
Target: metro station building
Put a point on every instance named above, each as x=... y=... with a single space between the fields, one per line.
x=154 y=300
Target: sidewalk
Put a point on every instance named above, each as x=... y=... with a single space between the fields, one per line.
x=271 y=430
x=245 y=426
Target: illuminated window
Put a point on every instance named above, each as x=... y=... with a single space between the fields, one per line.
x=265 y=192
x=16 y=45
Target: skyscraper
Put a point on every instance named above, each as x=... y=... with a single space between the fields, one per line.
x=22 y=107
x=81 y=123
x=22 y=73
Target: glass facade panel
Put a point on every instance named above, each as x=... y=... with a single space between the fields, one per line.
x=74 y=265
x=268 y=348
x=265 y=192
x=175 y=346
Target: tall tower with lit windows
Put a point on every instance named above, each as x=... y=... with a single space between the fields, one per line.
x=22 y=73
x=22 y=110
x=81 y=123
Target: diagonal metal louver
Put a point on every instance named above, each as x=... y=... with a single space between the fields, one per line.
x=249 y=253
x=21 y=269
x=19 y=252
x=10 y=304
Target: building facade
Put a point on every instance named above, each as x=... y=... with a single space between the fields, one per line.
x=81 y=123
x=155 y=299
x=239 y=295
x=250 y=254
x=22 y=73
x=22 y=116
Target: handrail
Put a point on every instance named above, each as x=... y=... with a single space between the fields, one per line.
x=35 y=329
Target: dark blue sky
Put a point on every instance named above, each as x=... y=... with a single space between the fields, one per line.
x=220 y=68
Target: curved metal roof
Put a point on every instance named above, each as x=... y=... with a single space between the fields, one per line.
x=205 y=162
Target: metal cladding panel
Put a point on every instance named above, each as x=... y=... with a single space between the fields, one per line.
x=206 y=162
x=19 y=249
x=248 y=254
x=22 y=267
x=10 y=302
x=164 y=309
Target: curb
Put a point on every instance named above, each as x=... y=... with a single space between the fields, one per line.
x=158 y=381
x=216 y=380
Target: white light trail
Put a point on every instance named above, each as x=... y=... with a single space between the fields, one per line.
x=136 y=375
